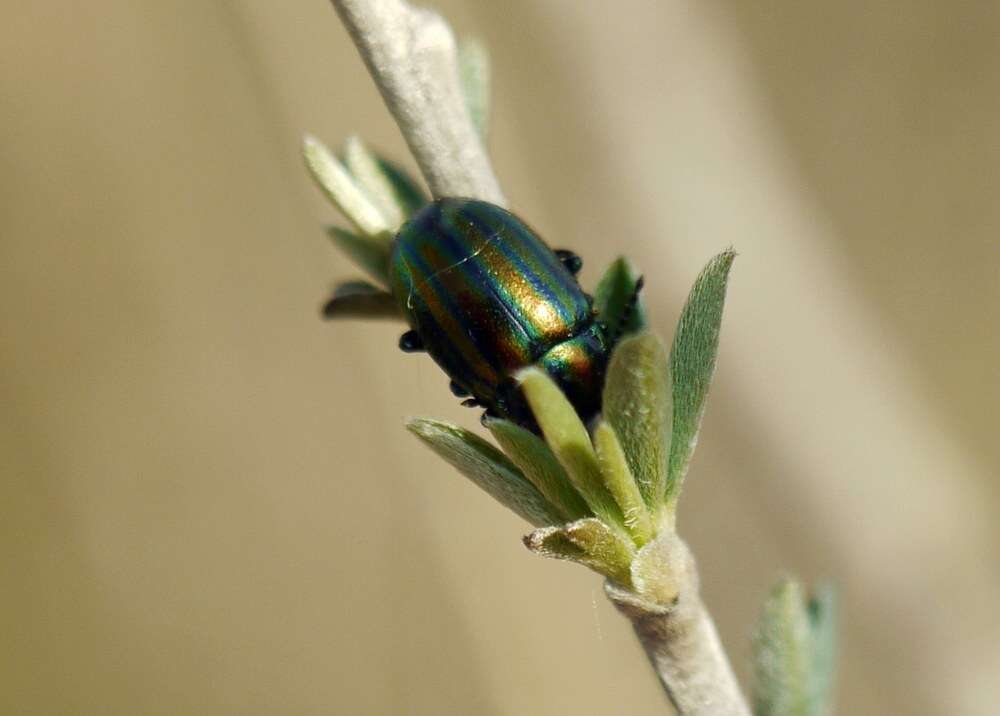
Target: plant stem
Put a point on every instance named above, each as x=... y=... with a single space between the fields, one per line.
x=411 y=55
x=682 y=644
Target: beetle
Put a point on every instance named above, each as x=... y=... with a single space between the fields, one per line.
x=485 y=297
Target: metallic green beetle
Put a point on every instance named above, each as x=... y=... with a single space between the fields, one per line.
x=485 y=297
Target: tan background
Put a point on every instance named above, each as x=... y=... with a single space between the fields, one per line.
x=209 y=504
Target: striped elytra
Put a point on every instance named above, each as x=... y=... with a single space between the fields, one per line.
x=487 y=297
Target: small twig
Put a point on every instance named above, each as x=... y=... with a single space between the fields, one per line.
x=411 y=54
x=682 y=644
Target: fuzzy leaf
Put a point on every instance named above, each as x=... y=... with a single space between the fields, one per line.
x=487 y=467
x=358 y=299
x=409 y=196
x=364 y=166
x=653 y=569
x=555 y=543
x=568 y=438
x=340 y=187
x=474 y=73
x=620 y=483
x=638 y=404
x=614 y=294
x=781 y=654
x=530 y=453
x=823 y=622
x=793 y=653
x=692 y=362
x=589 y=542
x=370 y=253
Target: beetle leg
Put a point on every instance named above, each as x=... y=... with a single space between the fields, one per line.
x=628 y=310
x=488 y=414
x=470 y=403
x=411 y=342
x=457 y=390
x=571 y=261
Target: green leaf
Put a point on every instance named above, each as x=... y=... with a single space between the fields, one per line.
x=613 y=297
x=364 y=166
x=620 y=483
x=782 y=654
x=474 y=73
x=487 y=467
x=357 y=299
x=340 y=187
x=692 y=362
x=409 y=196
x=568 y=439
x=530 y=453
x=555 y=543
x=823 y=622
x=639 y=405
x=793 y=653
x=369 y=253
x=589 y=542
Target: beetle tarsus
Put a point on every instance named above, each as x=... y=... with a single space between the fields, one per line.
x=470 y=403
x=488 y=414
x=411 y=342
x=571 y=261
x=628 y=310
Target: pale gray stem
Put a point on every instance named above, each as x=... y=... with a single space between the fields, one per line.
x=411 y=55
x=683 y=646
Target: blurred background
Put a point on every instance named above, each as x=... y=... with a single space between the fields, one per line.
x=209 y=502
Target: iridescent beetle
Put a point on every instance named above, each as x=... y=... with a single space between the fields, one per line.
x=485 y=297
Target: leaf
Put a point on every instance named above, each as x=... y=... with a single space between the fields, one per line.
x=589 y=542
x=364 y=166
x=410 y=197
x=370 y=254
x=487 y=467
x=638 y=403
x=568 y=439
x=822 y=610
x=782 y=654
x=614 y=294
x=692 y=363
x=655 y=569
x=793 y=653
x=553 y=542
x=340 y=187
x=358 y=299
x=620 y=483
x=474 y=74
x=530 y=453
